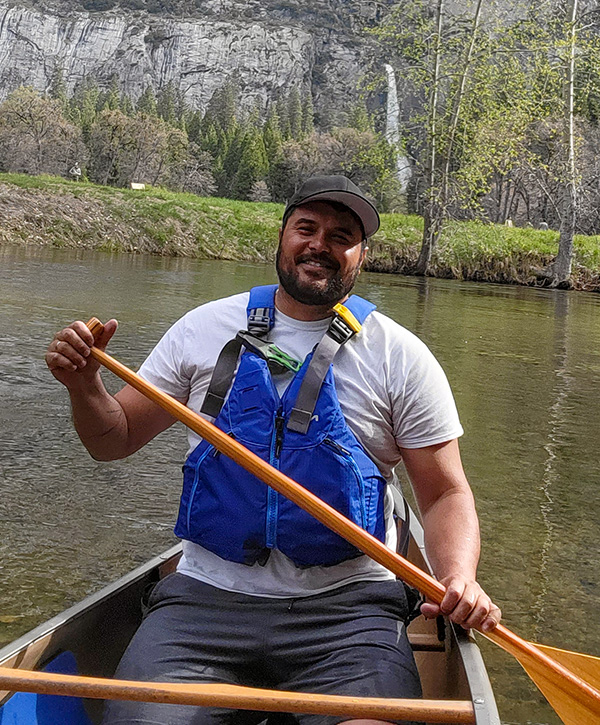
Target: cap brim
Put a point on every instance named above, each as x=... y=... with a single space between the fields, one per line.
x=365 y=211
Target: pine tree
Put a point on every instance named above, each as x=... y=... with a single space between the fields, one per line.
x=282 y=111
x=359 y=118
x=194 y=128
x=147 y=102
x=308 y=115
x=273 y=138
x=295 y=114
x=231 y=159
x=253 y=163
x=221 y=109
x=166 y=104
x=126 y=105
x=84 y=105
x=58 y=90
x=112 y=98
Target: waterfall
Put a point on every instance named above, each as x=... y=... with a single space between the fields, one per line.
x=392 y=129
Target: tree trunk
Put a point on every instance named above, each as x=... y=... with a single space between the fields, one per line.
x=561 y=267
x=458 y=99
x=431 y=222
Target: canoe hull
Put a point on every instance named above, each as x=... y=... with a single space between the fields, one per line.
x=90 y=637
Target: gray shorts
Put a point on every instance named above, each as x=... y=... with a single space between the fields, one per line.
x=349 y=641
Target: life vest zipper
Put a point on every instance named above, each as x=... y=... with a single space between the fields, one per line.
x=341 y=451
x=195 y=484
x=272 y=496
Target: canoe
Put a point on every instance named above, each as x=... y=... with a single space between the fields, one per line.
x=90 y=637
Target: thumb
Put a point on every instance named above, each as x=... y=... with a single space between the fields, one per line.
x=109 y=330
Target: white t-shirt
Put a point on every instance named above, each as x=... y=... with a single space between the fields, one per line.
x=391 y=389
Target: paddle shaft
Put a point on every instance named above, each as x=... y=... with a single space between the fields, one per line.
x=239 y=698
x=324 y=513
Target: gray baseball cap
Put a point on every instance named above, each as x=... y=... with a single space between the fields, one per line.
x=338 y=189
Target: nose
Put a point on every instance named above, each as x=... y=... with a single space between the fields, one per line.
x=319 y=241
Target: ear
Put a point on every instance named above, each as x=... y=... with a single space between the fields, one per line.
x=363 y=255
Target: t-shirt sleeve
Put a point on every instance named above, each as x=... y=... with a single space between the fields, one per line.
x=165 y=366
x=424 y=411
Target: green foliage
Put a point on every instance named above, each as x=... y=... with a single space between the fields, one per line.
x=111 y=100
x=58 y=90
x=222 y=107
x=253 y=164
x=147 y=102
x=34 y=135
x=221 y=150
x=273 y=138
x=308 y=115
x=359 y=118
x=499 y=106
x=294 y=114
x=84 y=105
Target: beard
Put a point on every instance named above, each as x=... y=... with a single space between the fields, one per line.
x=320 y=292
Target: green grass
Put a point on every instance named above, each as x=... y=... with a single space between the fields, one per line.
x=60 y=212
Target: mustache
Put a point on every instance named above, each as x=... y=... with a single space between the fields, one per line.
x=322 y=258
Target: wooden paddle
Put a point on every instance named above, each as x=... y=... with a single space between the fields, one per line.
x=568 y=680
x=239 y=698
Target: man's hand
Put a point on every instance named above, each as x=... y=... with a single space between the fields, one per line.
x=68 y=355
x=110 y=427
x=466 y=604
x=451 y=534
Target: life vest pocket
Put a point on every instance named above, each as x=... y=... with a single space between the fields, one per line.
x=346 y=479
x=223 y=507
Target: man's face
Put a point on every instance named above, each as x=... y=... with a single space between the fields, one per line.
x=320 y=253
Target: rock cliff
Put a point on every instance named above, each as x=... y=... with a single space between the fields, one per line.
x=268 y=47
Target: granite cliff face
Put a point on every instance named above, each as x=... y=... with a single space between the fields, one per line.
x=266 y=51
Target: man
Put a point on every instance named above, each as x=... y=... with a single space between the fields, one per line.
x=283 y=603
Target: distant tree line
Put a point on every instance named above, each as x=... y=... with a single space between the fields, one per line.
x=158 y=139
x=503 y=124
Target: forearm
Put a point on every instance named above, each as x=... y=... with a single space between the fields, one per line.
x=99 y=420
x=452 y=535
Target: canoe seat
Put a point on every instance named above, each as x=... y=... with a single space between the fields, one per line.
x=426 y=643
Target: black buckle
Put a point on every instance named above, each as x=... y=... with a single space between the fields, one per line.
x=260 y=319
x=339 y=330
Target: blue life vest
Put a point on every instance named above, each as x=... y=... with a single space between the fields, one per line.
x=230 y=512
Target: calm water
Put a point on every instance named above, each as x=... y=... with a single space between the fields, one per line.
x=525 y=368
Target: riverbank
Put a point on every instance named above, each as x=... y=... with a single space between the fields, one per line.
x=56 y=212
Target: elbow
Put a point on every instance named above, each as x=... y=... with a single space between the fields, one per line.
x=102 y=454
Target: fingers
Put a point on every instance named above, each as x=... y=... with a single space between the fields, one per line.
x=109 y=330
x=70 y=349
x=466 y=604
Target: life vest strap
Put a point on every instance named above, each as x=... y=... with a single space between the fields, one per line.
x=221 y=378
x=342 y=328
x=308 y=394
x=261 y=317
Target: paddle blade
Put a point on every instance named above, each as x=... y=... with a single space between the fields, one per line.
x=571 y=705
x=584 y=666
x=575 y=697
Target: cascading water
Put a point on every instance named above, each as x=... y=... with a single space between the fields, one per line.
x=392 y=129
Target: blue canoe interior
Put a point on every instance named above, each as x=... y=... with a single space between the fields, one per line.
x=90 y=637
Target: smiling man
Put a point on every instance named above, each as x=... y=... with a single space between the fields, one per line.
x=335 y=397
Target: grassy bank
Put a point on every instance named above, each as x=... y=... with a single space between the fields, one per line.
x=60 y=213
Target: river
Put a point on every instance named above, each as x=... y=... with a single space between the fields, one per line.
x=524 y=365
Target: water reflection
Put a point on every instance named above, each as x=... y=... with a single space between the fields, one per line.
x=524 y=365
